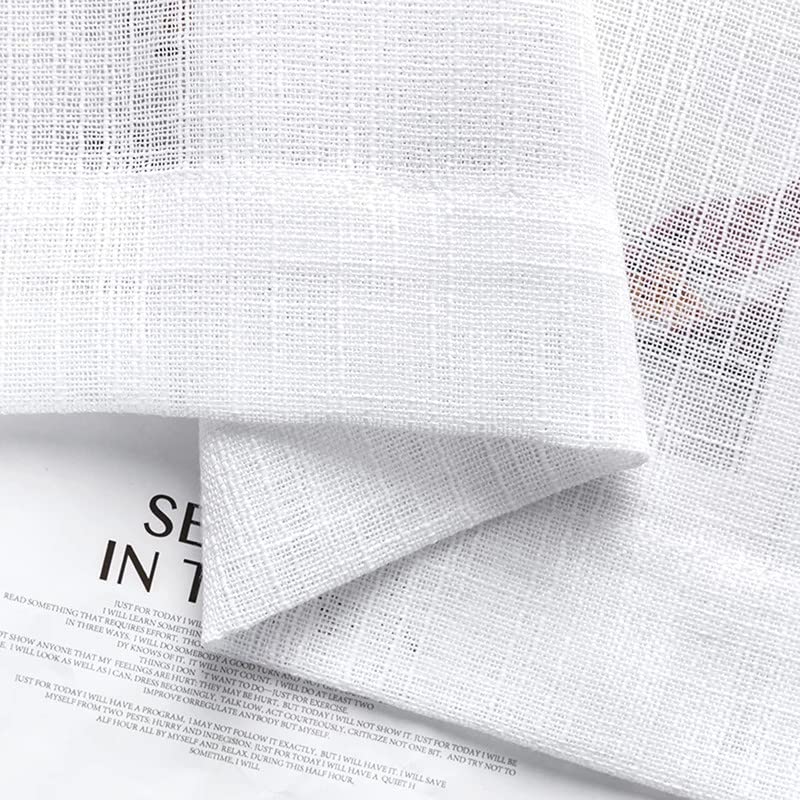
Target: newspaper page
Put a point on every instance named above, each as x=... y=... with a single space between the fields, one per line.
x=104 y=689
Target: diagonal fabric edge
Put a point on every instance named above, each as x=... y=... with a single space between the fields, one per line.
x=293 y=512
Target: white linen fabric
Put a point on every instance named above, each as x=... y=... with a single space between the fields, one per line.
x=380 y=249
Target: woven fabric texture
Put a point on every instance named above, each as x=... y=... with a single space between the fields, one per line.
x=398 y=257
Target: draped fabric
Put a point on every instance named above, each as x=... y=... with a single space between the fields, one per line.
x=432 y=273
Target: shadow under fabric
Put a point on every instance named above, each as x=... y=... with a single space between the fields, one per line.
x=379 y=250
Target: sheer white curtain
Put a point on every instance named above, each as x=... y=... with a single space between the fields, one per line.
x=380 y=249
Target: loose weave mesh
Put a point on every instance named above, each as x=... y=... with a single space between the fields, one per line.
x=379 y=248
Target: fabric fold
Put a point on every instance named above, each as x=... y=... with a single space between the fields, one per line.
x=294 y=512
x=376 y=251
